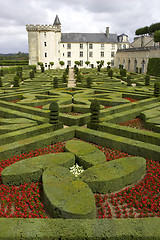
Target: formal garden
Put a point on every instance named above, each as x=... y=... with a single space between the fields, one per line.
x=79 y=162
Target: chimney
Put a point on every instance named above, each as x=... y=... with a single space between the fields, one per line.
x=107 y=32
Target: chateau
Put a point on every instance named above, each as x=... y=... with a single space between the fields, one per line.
x=48 y=44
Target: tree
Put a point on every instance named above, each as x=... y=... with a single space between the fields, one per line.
x=51 y=63
x=61 y=63
x=141 y=31
x=78 y=63
x=154 y=27
x=157 y=36
x=87 y=63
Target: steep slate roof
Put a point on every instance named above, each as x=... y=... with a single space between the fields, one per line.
x=57 y=21
x=88 y=37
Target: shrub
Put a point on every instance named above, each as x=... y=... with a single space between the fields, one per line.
x=54 y=112
x=16 y=81
x=31 y=74
x=1 y=72
x=123 y=72
x=157 y=89
x=79 y=77
x=136 y=69
x=64 y=77
x=1 y=85
x=110 y=73
x=55 y=82
x=19 y=74
x=42 y=68
x=129 y=82
x=140 y=70
x=89 y=82
x=147 y=80
x=94 y=109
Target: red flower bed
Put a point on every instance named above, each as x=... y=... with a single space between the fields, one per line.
x=139 y=200
x=24 y=201
x=14 y=101
x=135 y=123
x=131 y=99
x=39 y=107
x=107 y=107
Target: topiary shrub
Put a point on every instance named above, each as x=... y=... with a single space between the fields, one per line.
x=110 y=73
x=89 y=82
x=54 y=112
x=1 y=72
x=136 y=69
x=140 y=70
x=1 y=85
x=157 y=89
x=31 y=74
x=42 y=68
x=79 y=77
x=19 y=74
x=64 y=77
x=129 y=82
x=94 y=109
x=123 y=73
x=147 y=80
x=55 y=82
x=16 y=81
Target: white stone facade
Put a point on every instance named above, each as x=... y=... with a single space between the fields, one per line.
x=47 y=44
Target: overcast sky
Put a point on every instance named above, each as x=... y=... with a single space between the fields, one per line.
x=122 y=16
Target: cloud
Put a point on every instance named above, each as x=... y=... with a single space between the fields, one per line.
x=75 y=16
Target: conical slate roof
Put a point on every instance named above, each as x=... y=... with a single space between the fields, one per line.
x=57 y=21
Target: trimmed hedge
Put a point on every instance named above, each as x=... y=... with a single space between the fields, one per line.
x=79 y=229
x=114 y=175
x=66 y=198
x=86 y=154
x=31 y=170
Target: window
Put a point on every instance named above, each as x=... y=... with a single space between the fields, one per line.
x=81 y=61
x=68 y=54
x=81 y=45
x=68 y=45
x=90 y=46
x=63 y=45
x=102 y=45
x=44 y=34
x=45 y=64
x=45 y=44
x=90 y=54
x=102 y=54
x=81 y=54
x=124 y=46
x=45 y=54
x=63 y=54
x=113 y=46
x=69 y=63
x=112 y=54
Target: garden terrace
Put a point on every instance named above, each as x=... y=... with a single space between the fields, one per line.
x=25 y=129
